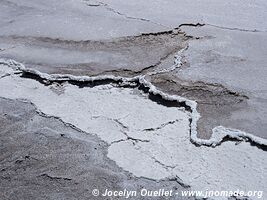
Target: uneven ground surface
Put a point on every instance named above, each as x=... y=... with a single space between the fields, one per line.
x=235 y=60
x=39 y=157
x=209 y=52
x=133 y=54
x=145 y=136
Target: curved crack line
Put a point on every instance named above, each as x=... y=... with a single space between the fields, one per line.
x=222 y=27
x=167 y=167
x=109 y=8
x=161 y=126
x=134 y=140
x=236 y=29
x=219 y=133
x=123 y=131
x=177 y=63
x=9 y=74
x=58 y=178
x=176 y=178
x=179 y=181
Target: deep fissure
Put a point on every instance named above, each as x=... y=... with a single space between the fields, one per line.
x=134 y=83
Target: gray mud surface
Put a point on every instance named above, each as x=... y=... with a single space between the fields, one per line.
x=41 y=158
x=222 y=46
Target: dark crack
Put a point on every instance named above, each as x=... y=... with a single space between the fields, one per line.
x=179 y=181
x=214 y=102
x=236 y=29
x=109 y=8
x=143 y=86
x=89 y=164
x=121 y=124
x=124 y=131
x=192 y=24
x=204 y=93
x=222 y=27
x=154 y=97
x=240 y=139
x=8 y=74
x=134 y=140
x=147 y=69
x=161 y=126
x=55 y=178
x=167 y=167
x=136 y=54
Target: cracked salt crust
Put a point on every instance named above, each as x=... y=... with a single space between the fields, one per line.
x=115 y=114
x=5 y=71
x=168 y=152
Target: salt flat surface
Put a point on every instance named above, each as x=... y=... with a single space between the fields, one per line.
x=77 y=20
x=71 y=20
x=244 y=14
x=237 y=60
x=145 y=138
x=158 y=144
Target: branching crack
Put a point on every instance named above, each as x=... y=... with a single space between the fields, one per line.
x=124 y=130
x=153 y=94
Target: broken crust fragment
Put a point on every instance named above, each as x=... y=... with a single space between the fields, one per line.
x=219 y=133
x=167 y=149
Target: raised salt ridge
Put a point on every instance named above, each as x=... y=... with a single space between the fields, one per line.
x=145 y=138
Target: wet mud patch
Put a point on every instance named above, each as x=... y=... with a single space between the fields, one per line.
x=215 y=102
x=147 y=138
x=126 y=56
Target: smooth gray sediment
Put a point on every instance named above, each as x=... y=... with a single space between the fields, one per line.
x=202 y=68
x=161 y=141
x=39 y=157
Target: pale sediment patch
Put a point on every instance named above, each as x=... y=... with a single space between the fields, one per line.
x=218 y=133
x=146 y=138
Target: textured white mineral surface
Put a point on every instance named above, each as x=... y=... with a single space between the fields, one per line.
x=146 y=138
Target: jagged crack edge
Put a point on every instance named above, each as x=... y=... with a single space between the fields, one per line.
x=219 y=133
